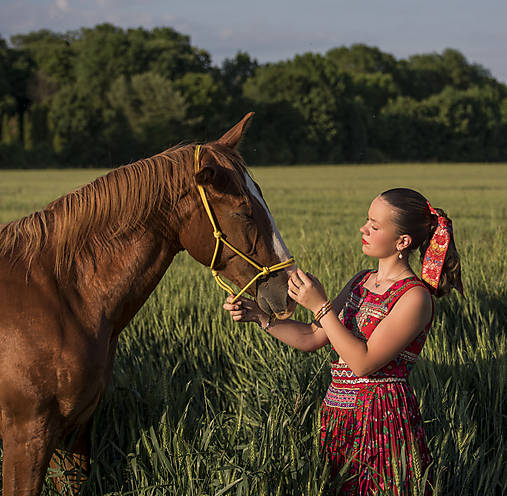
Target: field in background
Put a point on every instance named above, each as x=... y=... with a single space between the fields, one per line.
x=201 y=406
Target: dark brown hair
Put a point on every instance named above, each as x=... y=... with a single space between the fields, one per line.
x=413 y=217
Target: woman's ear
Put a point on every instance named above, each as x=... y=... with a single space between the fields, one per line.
x=404 y=241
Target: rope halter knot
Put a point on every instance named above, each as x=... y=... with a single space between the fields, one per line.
x=263 y=271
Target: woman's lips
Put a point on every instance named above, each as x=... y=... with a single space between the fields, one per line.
x=364 y=242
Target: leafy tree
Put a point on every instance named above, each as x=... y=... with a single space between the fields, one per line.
x=360 y=58
x=7 y=100
x=51 y=53
x=153 y=108
x=205 y=100
x=236 y=71
x=164 y=51
x=424 y=75
x=474 y=120
x=100 y=56
x=322 y=96
x=76 y=124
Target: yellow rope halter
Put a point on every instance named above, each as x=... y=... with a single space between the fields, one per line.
x=263 y=271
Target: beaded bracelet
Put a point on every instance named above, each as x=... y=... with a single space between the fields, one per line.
x=323 y=310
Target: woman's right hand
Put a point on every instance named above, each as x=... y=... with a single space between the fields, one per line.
x=245 y=310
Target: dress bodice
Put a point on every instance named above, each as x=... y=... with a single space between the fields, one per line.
x=364 y=310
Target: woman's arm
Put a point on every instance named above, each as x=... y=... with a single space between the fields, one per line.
x=408 y=317
x=395 y=332
x=304 y=337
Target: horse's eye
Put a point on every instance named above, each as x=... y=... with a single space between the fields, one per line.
x=243 y=215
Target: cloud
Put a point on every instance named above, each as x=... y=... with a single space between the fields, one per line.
x=62 y=5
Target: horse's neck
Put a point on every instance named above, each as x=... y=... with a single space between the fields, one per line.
x=114 y=284
x=109 y=290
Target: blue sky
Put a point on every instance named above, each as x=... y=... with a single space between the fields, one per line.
x=278 y=29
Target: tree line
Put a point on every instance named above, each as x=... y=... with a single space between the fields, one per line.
x=104 y=96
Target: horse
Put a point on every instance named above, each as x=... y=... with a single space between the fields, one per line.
x=75 y=273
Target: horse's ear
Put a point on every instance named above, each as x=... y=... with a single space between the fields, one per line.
x=233 y=137
x=205 y=176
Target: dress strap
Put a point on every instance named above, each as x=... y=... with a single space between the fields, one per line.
x=397 y=292
x=361 y=278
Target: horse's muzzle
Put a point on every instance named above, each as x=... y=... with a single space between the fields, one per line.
x=272 y=296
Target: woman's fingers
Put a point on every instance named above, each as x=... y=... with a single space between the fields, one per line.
x=293 y=286
x=231 y=306
x=293 y=294
x=296 y=280
x=304 y=278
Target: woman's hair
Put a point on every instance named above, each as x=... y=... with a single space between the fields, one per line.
x=413 y=217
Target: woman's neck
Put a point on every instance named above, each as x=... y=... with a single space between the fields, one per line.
x=391 y=268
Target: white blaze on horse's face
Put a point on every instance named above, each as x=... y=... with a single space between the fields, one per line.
x=278 y=245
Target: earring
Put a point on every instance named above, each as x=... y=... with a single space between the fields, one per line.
x=400 y=255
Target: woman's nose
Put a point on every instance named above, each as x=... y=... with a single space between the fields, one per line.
x=363 y=229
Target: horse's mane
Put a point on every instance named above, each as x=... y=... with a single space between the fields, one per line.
x=99 y=214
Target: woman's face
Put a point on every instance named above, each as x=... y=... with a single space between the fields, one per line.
x=380 y=238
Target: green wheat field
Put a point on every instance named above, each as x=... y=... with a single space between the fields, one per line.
x=199 y=405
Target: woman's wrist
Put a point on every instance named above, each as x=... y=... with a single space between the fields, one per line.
x=266 y=321
x=262 y=319
x=321 y=310
x=317 y=307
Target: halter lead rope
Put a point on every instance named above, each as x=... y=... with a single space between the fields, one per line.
x=263 y=271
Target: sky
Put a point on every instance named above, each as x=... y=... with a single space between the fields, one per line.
x=274 y=30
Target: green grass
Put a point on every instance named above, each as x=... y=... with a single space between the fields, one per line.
x=199 y=405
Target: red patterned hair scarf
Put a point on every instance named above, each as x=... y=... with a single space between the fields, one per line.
x=435 y=254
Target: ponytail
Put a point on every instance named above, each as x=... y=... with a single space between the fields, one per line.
x=413 y=217
x=450 y=276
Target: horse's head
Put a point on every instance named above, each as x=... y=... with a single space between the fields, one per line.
x=242 y=216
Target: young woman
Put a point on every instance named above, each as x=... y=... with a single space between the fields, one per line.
x=377 y=325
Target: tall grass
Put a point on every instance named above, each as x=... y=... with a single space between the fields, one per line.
x=199 y=405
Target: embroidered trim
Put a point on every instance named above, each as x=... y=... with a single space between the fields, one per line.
x=363 y=380
x=346 y=376
x=408 y=356
x=341 y=397
x=342 y=373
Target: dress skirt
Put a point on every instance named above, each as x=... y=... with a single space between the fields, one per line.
x=373 y=436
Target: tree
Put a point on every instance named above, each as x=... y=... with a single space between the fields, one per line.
x=164 y=51
x=424 y=75
x=153 y=108
x=360 y=58
x=51 y=53
x=321 y=94
x=76 y=122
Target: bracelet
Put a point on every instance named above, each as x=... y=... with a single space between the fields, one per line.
x=323 y=310
x=269 y=323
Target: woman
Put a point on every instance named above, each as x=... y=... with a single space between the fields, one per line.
x=378 y=326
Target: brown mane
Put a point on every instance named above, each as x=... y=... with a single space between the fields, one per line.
x=98 y=214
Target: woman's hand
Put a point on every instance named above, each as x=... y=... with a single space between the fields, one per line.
x=245 y=310
x=306 y=289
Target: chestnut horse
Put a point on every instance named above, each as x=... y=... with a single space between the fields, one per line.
x=74 y=274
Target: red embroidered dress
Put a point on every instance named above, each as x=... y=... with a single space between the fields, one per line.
x=370 y=418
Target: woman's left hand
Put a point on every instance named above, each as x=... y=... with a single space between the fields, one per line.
x=306 y=289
